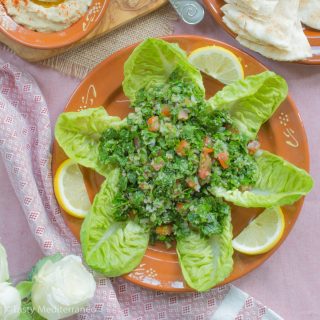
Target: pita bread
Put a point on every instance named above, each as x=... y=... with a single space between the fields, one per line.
x=309 y=12
x=240 y=32
x=279 y=36
x=269 y=51
x=255 y=7
x=271 y=30
x=300 y=48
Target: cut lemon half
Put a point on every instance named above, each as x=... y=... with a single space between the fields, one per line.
x=218 y=63
x=70 y=189
x=262 y=234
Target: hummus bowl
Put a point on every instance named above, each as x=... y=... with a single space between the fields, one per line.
x=53 y=39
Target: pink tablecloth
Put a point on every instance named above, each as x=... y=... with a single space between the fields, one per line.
x=288 y=282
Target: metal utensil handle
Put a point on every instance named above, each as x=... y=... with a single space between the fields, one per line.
x=190 y=11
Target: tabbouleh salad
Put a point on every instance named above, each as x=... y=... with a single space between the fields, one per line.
x=171 y=153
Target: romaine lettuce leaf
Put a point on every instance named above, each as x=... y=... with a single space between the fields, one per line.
x=206 y=262
x=152 y=62
x=78 y=134
x=111 y=247
x=251 y=101
x=279 y=183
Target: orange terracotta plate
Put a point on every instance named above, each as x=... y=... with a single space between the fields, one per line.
x=53 y=40
x=283 y=134
x=214 y=7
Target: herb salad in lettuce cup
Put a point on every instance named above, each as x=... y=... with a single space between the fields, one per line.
x=171 y=165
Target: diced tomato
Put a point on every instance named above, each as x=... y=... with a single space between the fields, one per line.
x=203 y=173
x=183 y=114
x=153 y=124
x=207 y=150
x=179 y=206
x=205 y=165
x=193 y=183
x=164 y=230
x=223 y=158
x=253 y=146
x=165 y=111
x=182 y=147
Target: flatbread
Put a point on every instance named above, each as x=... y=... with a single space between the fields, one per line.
x=270 y=30
x=255 y=7
x=240 y=32
x=300 y=48
x=309 y=13
x=279 y=36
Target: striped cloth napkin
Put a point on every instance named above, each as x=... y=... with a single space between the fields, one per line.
x=25 y=146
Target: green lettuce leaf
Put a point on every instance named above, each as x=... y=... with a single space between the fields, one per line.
x=206 y=262
x=251 y=101
x=24 y=288
x=279 y=183
x=111 y=247
x=78 y=134
x=152 y=62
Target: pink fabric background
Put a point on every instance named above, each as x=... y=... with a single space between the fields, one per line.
x=288 y=282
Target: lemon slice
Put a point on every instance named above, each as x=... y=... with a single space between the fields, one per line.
x=70 y=189
x=218 y=63
x=262 y=234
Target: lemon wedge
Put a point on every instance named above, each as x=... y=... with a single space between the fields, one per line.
x=262 y=234
x=218 y=63
x=70 y=189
